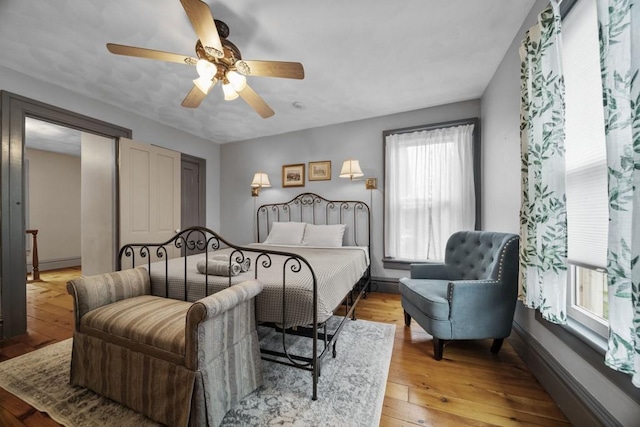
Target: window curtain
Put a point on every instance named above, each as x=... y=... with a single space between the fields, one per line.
x=429 y=190
x=543 y=218
x=619 y=29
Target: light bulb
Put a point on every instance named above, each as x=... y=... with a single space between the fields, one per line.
x=238 y=81
x=204 y=84
x=206 y=68
x=229 y=93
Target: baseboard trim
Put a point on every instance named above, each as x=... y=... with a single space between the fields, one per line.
x=574 y=400
x=54 y=264
x=385 y=285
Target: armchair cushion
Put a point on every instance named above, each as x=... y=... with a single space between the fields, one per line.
x=430 y=298
x=147 y=323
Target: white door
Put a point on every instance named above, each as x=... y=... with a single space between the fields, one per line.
x=149 y=194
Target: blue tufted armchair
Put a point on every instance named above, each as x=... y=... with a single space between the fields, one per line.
x=472 y=295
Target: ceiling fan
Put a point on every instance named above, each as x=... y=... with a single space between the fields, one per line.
x=217 y=59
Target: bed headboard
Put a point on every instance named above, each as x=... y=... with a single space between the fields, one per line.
x=314 y=209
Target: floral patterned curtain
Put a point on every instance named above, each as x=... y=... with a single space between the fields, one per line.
x=619 y=28
x=543 y=218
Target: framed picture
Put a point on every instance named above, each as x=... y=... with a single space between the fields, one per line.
x=320 y=171
x=293 y=175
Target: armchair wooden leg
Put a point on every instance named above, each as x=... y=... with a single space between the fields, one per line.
x=497 y=345
x=438 y=348
x=407 y=319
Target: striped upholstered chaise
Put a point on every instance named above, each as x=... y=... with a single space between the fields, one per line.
x=176 y=362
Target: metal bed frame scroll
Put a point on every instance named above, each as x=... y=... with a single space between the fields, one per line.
x=306 y=207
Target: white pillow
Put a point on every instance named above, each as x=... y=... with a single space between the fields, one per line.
x=328 y=236
x=286 y=233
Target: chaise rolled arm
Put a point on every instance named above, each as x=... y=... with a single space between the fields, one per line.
x=91 y=292
x=206 y=321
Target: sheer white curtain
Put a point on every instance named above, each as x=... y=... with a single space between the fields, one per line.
x=543 y=213
x=429 y=189
x=619 y=22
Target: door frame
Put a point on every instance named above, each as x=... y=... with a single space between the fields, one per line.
x=13 y=111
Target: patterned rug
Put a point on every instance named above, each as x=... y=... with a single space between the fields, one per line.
x=350 y=391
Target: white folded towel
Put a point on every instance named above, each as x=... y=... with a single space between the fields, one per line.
x=244 y=265
x=218 y=267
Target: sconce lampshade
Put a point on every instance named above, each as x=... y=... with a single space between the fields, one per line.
x=351 y=169
x=260 y=180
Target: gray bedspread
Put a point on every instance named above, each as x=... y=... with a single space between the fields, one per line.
x=336 y=270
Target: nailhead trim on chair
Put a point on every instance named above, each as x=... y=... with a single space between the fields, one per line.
x=502 y=255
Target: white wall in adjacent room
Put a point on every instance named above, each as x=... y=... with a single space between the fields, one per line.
x=54 y=205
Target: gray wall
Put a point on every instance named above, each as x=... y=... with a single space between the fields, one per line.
x=500 y=106
x=144 y=130
x=361 y=140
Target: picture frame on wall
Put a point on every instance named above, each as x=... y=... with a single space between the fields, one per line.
x=320 y=171
x=293 y=175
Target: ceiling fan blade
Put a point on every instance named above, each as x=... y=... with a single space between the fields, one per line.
x=141 y=52
x=194 y=98
x=202 y=21
x=256 y=102
x=287 y=70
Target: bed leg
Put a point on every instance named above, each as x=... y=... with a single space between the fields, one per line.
x=315 y=375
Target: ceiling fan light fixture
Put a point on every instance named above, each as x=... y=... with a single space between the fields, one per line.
x=204 y=84
x=229 y=92
x=206 y=69
x=242 y=67
x=238 y=81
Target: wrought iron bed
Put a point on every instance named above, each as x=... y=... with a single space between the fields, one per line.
x=306 y=207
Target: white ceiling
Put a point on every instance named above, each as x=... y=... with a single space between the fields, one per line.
x=362 y=58
x=40 y=135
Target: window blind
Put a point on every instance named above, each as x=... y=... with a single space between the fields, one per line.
x=586 y=166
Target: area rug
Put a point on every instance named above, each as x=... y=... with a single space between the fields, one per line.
x=350 y=391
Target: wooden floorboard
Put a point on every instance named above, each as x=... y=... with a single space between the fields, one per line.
x=470 y=386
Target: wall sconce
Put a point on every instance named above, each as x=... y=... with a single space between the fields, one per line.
x=260 y=180
x=371 y=183
x=351 y=169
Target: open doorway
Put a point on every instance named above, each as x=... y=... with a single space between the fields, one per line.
x=52 y=175
x=70 y=188
x=15 y=110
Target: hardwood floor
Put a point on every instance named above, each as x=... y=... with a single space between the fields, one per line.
x=49 y=320
x=470 y=386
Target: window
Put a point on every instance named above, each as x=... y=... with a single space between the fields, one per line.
x=431 y=182
x=586 y=173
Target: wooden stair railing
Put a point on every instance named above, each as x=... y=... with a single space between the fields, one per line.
x=34 y=255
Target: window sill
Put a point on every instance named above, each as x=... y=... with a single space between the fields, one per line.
x=591 y=347
x=396 y=264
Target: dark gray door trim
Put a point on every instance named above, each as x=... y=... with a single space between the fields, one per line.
x=202 y=185
x=13 y=111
